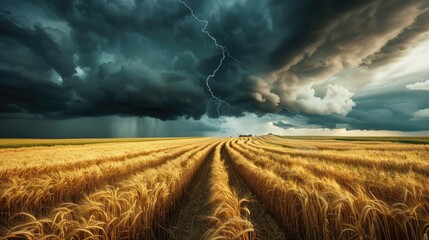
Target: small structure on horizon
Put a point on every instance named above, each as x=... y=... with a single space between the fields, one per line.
x=241 y=135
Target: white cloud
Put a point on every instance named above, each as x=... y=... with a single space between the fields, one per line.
x=288 y=91
x=81 y=72
x=337 y=100
x=55 y=77
x=423 y=113
x=419 y=86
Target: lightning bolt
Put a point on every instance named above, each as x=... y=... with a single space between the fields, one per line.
x=225 y=53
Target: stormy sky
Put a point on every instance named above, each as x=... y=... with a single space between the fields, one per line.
x=130 y=68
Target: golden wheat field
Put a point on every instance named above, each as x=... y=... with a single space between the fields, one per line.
x=267 y=187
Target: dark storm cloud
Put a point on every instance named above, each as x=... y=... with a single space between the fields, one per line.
x=283 y=125
x=31 y=93
x=129 y=61
x=402 y=44
x=66 y=59
x=138 y=90
x=37 y=39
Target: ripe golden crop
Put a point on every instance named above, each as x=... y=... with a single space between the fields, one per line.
x=312 y=188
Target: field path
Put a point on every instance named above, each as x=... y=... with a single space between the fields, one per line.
x=189 y=221
x=265 y=225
